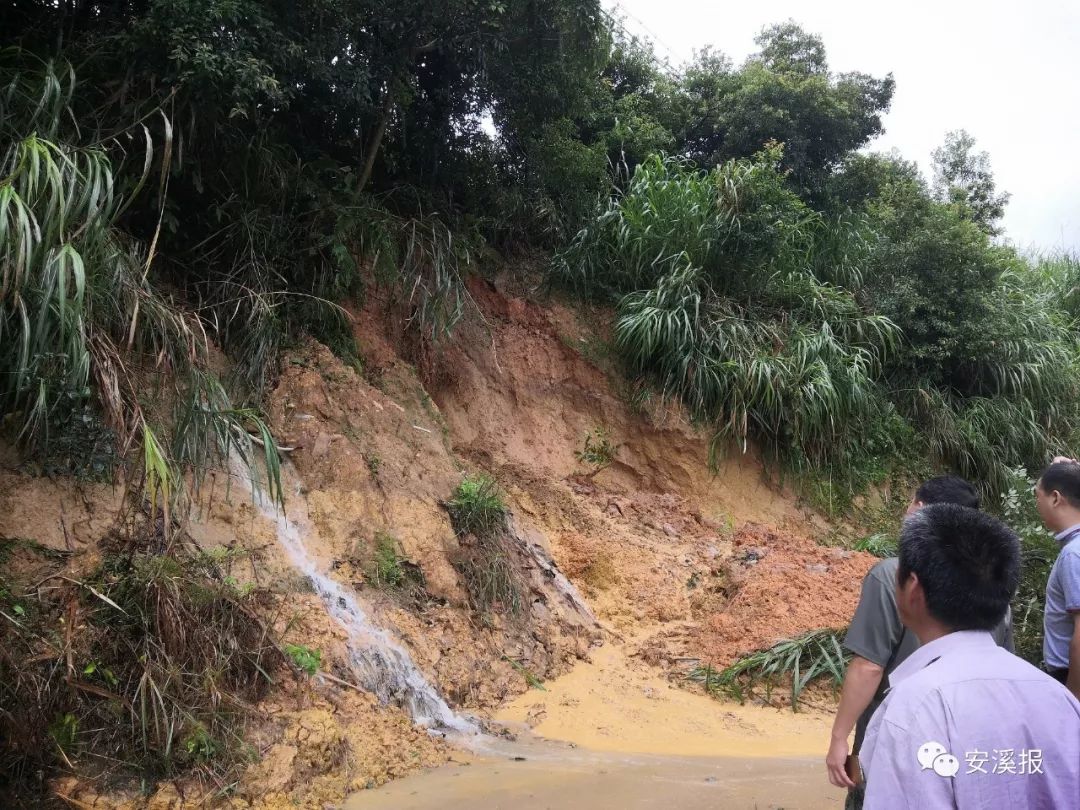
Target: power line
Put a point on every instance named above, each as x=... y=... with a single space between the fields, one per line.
x=653 y=36
x=667 y=65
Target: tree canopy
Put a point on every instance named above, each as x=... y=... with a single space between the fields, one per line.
x=274 y=159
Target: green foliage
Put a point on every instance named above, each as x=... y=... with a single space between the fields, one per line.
x=374 y=463
x=386 y=569
x=963 y=179
x=73 y=291
x=477 y=506
x=485 y=560
x=199 y=745
x=880 y=545
x=813 y=655
x=598 y=451
x=988 y=372
x=1057 y=274
x=1038 y=551
x=734 y=312
x=632 y=108
x=890 y=454
x=64 y=731
x=737 y=296
x=81 y=445
x=305 y=658
x=783 y=93
x=86 y=325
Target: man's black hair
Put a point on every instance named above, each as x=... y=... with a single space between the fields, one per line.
x=948 y=489
x=967 y=561
x=1064 y=477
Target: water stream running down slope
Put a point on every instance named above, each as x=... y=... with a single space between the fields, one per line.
x=380 y=663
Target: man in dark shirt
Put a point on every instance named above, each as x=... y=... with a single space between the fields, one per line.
x=879 y=643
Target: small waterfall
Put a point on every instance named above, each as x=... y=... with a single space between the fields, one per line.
x=381 y=665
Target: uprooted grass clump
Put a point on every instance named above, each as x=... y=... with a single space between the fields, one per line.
x=803 y=659
x=144 y=667
x=484 y=559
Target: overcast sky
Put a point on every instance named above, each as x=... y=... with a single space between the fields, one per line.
x=1007 y=72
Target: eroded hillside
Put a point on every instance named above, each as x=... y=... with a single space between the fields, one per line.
x=656 y=554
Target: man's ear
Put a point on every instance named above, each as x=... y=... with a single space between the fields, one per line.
x=918 y=595
x=909 y=591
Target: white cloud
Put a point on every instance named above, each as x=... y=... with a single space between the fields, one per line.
x=1007 y=72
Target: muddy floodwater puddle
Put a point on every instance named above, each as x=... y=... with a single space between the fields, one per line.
x=543 y=775
x=614 y=734
x=614 y=702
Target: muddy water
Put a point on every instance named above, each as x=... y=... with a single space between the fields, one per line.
x=615 y=703
x=550 y=776
x=620 y=736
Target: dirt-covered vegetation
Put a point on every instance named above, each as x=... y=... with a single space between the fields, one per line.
x=150 y=661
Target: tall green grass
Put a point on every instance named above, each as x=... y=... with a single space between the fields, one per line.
x=754 y=309
x=1015 y=398
x=486 y=560
x=729 y=296
x=81 y=320
x=477 y=506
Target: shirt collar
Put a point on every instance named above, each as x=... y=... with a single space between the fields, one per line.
x=1068 y=534
x=925 y=655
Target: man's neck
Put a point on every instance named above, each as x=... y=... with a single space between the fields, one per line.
x=931 y=631
x=1067 y=521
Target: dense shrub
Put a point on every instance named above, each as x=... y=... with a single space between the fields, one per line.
x=149 y=664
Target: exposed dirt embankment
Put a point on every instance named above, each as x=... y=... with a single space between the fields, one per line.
x=520 y=391
x=699 y=563
x=687 y=562
x=376 y=461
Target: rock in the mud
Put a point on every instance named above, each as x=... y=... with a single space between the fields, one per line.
x=818 y=568
x=752 y=556
x=322 y=445
x=669 y=530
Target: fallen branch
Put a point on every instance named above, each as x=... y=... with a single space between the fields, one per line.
x=340 y=682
